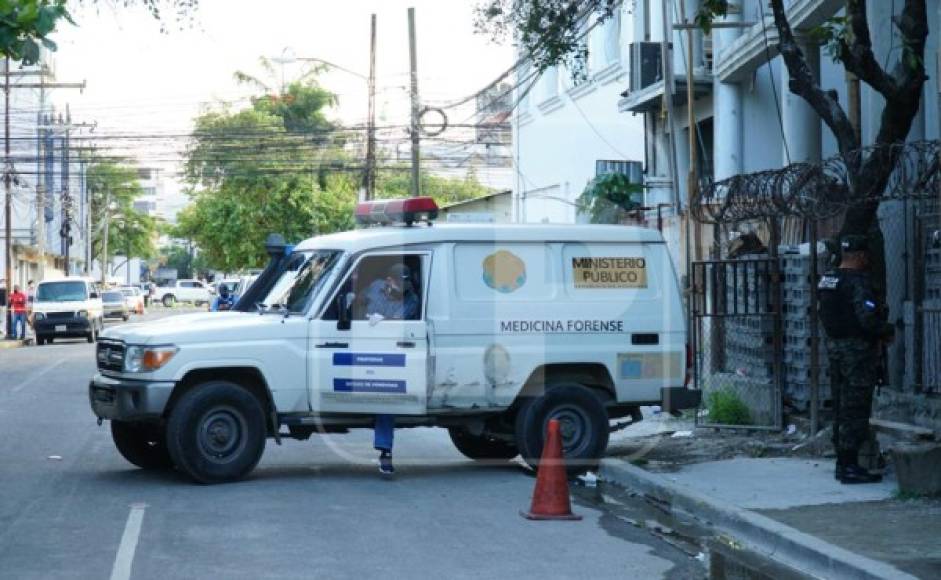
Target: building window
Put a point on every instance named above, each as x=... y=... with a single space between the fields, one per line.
x=604 y=43
x=549 y=84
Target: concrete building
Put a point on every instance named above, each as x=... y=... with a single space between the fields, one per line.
x=48 y=187
x=495 y=208
x=567 y=129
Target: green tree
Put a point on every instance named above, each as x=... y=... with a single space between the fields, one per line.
x=276 y=166
x=26 y=25
x=397 y=182
x=120 y=229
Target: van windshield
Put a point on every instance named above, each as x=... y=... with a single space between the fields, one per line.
x=301 y=279
x=61 y=292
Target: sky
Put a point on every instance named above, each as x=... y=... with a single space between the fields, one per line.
x=144 y=81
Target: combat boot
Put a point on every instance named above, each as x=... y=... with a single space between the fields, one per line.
x=849 y=472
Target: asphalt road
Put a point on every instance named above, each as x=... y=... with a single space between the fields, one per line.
x=71 y=507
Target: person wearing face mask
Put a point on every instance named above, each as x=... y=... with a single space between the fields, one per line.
x=390 y=298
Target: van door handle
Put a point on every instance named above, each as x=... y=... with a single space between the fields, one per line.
x=333 y=345
x=405 y=344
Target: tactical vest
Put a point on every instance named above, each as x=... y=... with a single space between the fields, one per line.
x=836 y=307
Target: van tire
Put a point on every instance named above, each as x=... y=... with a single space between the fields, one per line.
x=481 y=447
x=216 y=432
x=168 y=300
x=584 y=420
x=143 y=445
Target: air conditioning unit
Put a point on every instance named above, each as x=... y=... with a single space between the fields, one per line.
x=646 y=64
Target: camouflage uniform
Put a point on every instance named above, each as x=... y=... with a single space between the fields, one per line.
x=852 y=319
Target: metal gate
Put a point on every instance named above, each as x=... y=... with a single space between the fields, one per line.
x=927 y=330
x=735 y=309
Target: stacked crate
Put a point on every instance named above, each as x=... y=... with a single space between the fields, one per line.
x=797 y=288
x=748 y=332
x=933 y=274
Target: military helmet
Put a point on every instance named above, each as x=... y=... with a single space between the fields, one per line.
x=854 y=243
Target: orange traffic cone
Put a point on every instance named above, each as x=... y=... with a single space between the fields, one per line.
x=551 y=496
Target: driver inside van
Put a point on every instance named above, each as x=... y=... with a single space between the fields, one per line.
x=392 y=297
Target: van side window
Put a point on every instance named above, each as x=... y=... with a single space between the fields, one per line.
x=389 y=285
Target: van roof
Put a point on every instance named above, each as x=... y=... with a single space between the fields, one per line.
x=68 y=279
x=365 y=239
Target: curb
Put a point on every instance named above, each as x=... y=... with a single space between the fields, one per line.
x=4 y=343
x=774 y=540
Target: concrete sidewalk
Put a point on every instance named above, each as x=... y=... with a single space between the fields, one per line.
x=794 y=512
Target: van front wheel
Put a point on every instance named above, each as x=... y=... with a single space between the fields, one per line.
x=481 y=447
x=141 y=444
x=583 y=422
x=216 y=432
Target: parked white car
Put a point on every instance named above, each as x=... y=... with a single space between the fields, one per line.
x=506 y=326
x=184 y=291
x=134 y=298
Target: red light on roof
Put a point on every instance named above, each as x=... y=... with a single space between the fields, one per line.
x=397 y=211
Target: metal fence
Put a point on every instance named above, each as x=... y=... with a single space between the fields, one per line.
x=735 y=330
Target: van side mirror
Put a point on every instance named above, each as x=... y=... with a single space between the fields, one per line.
x=343 y=312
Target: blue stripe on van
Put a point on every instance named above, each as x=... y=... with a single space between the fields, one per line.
x=359 y=359
x=368 y=386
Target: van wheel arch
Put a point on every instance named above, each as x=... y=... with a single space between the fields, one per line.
x=249 y=378
x=593 y=376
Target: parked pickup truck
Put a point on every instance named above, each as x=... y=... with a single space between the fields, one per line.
x=184 y=291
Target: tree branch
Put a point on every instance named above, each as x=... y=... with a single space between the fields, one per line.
x=805 y=85
x=857 y=56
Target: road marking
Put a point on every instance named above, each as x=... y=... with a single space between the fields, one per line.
x=37 y=376
x=125 y=556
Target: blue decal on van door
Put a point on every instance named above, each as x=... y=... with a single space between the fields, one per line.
x=358 y=359
x=368 y=386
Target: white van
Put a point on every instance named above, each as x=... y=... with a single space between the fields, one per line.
x=508 y=326
x=67 y=308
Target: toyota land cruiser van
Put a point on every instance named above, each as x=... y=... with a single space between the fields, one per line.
x=511 y=325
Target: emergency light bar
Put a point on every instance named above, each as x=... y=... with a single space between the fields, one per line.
x=397 y=211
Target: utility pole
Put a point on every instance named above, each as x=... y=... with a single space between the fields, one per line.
x=8 y=169
x=370 y=177
x=66 y=230
x=692 y=179
x=416 y=112
x=8 y=193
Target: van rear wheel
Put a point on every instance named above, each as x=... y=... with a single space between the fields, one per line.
x=216 y=432
x=141 y=444
x=481 y=447
x=583 y=422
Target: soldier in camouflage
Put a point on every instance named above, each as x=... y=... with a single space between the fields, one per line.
x=852 y=318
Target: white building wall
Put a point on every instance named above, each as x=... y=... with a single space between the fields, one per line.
x=561 y=128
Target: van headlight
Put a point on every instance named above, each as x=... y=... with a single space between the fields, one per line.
x=39 y=315
x=83 y=314
x=145 y=359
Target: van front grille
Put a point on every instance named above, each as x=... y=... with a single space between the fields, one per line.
x=110 y=356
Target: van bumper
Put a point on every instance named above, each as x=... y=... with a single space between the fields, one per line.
x=673 y=399
x=127 y=399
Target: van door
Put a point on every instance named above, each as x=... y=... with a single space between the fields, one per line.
x=379 y=364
